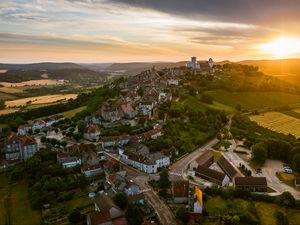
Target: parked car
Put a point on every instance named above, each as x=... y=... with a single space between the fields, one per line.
x=258 y=170
x=288 y=170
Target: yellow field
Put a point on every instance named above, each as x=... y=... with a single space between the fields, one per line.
x=7 y=111
x=32 y=82
x=297 y=110
x=278 y=122
x=39 y=100
x=10 y=90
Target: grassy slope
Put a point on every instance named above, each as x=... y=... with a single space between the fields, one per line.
x=255 y=100
x=20 y=210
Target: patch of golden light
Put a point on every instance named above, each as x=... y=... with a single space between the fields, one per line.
x=282 y=46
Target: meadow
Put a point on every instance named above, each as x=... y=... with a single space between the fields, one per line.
x=11 y=211
x=278 y=122
x=256 y=100
x=40 y=100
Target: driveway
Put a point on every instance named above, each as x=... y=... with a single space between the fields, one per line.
x=269 y=171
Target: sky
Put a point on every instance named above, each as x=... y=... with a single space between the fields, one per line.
x=95 y=31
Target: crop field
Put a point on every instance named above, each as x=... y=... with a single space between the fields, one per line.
x=40 y=100
x=10 y=90
x=8 y=111
x=256 y=100
x=32 y=83
x=278 y=122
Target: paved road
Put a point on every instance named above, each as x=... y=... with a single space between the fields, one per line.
x=162 y=210
x=180 y=166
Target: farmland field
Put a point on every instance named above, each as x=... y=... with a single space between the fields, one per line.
x=7 y=111
x=278 y=122
x=10 y=90
x=40 y=100
x=32 y=82
x=256 y=100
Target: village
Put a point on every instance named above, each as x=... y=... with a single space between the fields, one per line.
x=124 y=161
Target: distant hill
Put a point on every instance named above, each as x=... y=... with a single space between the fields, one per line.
x=276 y=67
x=137 y=67
x=41 y=66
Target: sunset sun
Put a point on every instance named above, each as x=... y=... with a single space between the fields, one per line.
x=283 y=46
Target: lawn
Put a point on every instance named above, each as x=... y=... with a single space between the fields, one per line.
x=287 y=179
x=71 y=113
x=255 y=100
x=266 y=212
x=20 y=211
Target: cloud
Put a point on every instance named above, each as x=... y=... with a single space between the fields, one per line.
x=242 y=11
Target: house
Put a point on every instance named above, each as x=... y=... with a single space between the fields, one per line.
x=253 y=184
x=38 y=125
x=91 y=170
x=116 y=181
x=206 y=159
x=87 y=153
x=95 y=118
x=103 y=203
x=180 y=191
x=111 y=112
x=67 y=160
x=115 y=140
x=99 y=218
x=28 y=147
x=152 y=134
x=138 y=156
x=146 y=107
x=19 y=147
x=297 y=181
x=106 y=212
x=24 y=129
x=136 y=199
x=92 y=132
x=53 y=119
x=212 y=175
x=173 y=82
x=227 y=167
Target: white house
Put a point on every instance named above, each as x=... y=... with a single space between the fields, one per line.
x=115 y=140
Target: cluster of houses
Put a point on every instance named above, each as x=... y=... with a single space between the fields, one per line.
x=39 y=124
x=116 y=181
x=138 y=156
x=140 y=96
x=201 y=167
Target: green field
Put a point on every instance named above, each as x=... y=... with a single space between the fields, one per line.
x=71 y=113
x=256 y=100
x=14 y=204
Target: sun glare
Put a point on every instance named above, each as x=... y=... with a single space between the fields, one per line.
x=283 y=46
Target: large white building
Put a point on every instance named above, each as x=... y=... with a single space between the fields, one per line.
x=193 y=63
x=139 y=157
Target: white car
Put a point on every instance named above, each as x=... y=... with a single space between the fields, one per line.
x=288 y=170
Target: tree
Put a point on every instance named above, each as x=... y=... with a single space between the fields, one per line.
x=286 y=199
x=296 y=162
x=181 y=214
x=121 y=200
x=134 y=214
x=207 y=99
x=164 y=179
x=259 y=152
x=238 y=107
x=75 y=216
x=281 y=218
x=2 y=104
x=81 y=126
